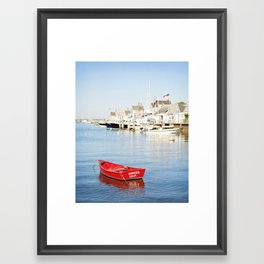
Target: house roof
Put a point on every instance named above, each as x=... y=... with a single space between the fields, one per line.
x=165 y=102
x=160 y=102
x=163 y=110
x=177 y=108
x=181 y=106
x=137 y=107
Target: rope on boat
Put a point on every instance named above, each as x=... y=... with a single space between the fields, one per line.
x=93 y=167
x=124 y=178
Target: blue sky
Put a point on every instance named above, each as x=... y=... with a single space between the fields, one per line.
x=102 y=87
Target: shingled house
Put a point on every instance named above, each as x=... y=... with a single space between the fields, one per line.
x=137 y=110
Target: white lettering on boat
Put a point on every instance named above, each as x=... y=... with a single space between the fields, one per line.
x=133 y=173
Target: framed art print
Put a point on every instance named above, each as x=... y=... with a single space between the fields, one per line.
x=132 y=131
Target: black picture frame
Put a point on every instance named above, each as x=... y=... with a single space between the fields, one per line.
x=221 y=248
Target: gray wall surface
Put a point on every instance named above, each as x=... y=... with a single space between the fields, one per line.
x=18 y=127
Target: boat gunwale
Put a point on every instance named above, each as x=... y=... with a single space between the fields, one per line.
x=128 y=167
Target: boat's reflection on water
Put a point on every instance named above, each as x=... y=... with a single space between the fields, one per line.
x=132 y=184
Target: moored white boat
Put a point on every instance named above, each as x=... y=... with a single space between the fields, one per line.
x=161 y=130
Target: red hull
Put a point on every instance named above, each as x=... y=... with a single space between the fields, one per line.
x=120 y=172
x=134 y=184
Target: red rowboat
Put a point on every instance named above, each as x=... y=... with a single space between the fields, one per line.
x=120 y=172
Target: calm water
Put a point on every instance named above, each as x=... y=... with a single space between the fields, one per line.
x=166 y=163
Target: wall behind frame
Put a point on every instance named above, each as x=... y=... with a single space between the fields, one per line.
x=18 y=131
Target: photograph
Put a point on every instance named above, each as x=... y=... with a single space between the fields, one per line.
x=132 y=132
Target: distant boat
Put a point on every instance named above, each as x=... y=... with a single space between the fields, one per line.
x=108 y=125
x=120 y=172
x=114 y=125
x=102 y=124
x=161 y=130
x=136 y=128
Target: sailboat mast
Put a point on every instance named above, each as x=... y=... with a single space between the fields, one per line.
x=148 y=95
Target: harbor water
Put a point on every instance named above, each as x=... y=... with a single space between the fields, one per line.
x=165 y=158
